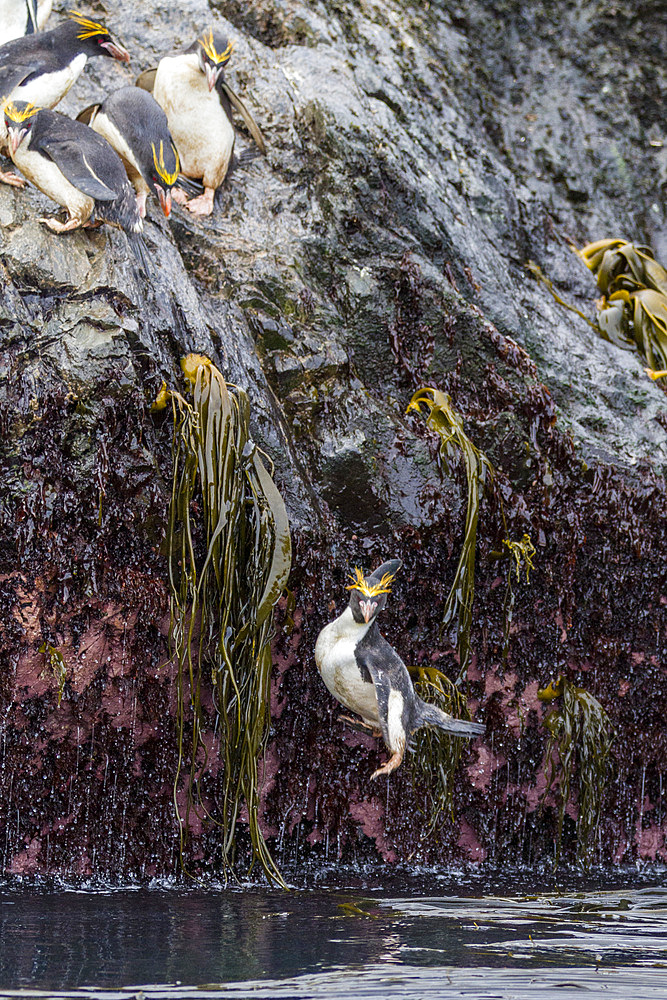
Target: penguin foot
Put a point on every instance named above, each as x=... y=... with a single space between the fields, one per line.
x=358 y=724
x=203 y=205
x=179 y=196
x=394 y=761
x=12 y=179
x=61 y=227
x=141 y=204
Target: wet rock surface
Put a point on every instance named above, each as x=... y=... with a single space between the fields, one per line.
x=419 y=157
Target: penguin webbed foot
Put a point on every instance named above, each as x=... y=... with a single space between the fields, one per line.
x=179 y=196
x=13 y=180
x=394 y=761
x=56 y=226
x=203 y=205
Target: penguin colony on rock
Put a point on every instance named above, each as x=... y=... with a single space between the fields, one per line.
x=176 y=123
x=177 y=129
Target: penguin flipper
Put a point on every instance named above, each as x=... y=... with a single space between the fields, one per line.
x=393 y=687
x=87 y=116
x=250 y=122
x=78 y=164
x=12 y=75
x=146 y=80
x=32 y=17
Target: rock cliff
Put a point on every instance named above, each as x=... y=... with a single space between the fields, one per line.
x=420 y=156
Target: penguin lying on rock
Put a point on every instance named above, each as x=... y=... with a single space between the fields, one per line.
x=22 y=17
x=136 y=126
x=365 y=674
x=73 y=165
x=40 y=69
x=192 y=90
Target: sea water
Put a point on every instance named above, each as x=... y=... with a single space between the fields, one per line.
x=342 y=934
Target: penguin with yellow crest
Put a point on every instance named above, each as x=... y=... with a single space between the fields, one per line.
x=366 y=675
x=191 y=88
x=40 y=68
x=71 y=164
x=134 y=124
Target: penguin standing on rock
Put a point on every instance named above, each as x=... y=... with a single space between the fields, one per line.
x=135 y=125
x=192 y=90
x=73 y=165
x=22 y=17
x=365 y=674
x=40 y=69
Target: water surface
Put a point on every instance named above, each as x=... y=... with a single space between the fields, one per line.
x=353 y=935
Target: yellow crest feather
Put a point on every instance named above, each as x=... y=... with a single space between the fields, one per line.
x=89 y=28
x=160 y=166
x=14 y=115
x=209 y=48
x=359 y=583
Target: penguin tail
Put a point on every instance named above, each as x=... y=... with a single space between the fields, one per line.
x=122 y=211
x=140 y=251
x=431 y=715
x=191 y=187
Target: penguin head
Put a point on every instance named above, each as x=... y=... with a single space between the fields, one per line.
x=368 y=595
x=163 y=172
x=94 y=39
x=19 y=120
x=213 y=51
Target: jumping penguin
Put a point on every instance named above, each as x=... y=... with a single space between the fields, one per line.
x=40 y=69
x=192 y=90
x=135 y=125
x=365 y=674
x=73 y=165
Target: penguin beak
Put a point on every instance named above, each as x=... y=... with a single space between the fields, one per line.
x=15 y=137
x=116 y=50
x=367 y=609
x=165 y=200
x=212 y=74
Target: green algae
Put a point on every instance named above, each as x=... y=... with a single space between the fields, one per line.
x=522 y=554
x=229 y=559
x=454 y=442
x=580 y=733
x=56 y=662
x=436 y=756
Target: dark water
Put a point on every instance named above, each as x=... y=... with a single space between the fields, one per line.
x=352 y=935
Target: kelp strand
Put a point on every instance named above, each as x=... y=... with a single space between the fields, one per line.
x=226 y=573
x=632 y=312
x=448 y=424
x=521 y=554
x=580 y=733
x=56 y=661
x=436 y=755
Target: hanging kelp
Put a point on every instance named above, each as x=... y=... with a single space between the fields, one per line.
x=229 y=559
x=521 y=555
x=436 y=755
x=447 y=423
x=581 y=734
x=632 y=312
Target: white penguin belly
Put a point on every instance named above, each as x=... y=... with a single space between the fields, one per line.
x=106 y=128
x=46 y=176
x=45 y=91
x=203 y=133
x=340 y=672
x=43 y=11
x=13 y=20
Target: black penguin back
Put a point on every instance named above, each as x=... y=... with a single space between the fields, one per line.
x=90 y=164
x=143 y=124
